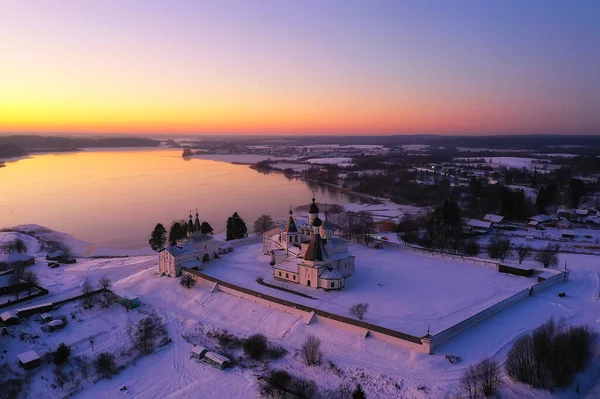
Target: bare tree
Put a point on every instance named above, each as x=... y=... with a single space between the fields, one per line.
x=548 y=256
x=86 y=289
x=15 y=279
x=107 y=297
x=82 y=363
x=31 y=279
x=104 y=283
x=359 y=310
x=469 y=382
x=20 y=246
x=523 y=251
x=489 y=376
x=311 y=351
x=263 y=224
x=499 y=248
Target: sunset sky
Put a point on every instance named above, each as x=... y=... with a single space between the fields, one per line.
x=294 y=67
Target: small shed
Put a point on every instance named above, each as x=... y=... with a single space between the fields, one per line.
x=517 y=270
x=198 y=352
x=9 y=318
x=490 y=217
x=125 y=298
x=29 y=360
x=217 y=361
x=46 y=317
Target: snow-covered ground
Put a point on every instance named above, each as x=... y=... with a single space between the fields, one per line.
x=406 y=293
x=415 y=284
x=340 y=161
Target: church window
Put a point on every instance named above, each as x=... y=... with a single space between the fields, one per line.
x=279 y=274
x=287 y=276
x=332 y=285
x=294 y=276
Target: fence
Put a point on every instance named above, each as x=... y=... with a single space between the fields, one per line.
x=438 y=254
x=451 y=332
x=42 y=292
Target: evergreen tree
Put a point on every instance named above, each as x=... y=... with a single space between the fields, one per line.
x=358 y=393
x=445 y=225
x=236 y=227
x=158 y=238
x=178 y=231
x=206 y=228
x=62 y=353
x=576 y=191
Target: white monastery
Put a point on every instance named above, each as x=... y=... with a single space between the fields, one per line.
x=310 y=254
x=190 y=252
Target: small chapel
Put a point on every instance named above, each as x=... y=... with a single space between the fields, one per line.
x=309 y=254
x=190 y=252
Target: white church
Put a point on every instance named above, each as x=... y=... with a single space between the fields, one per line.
x=309 y=254
x=190 y=252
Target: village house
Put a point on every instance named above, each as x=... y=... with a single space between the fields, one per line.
x=495 y=219
x=309 y=254
x=477 y=227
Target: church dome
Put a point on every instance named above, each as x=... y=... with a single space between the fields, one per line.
x=313 y=207
x=317 y=222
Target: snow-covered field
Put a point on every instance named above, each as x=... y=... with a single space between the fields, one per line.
x=415 y=286
x=340 y=161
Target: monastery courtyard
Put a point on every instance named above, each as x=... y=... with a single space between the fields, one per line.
x=406 y=292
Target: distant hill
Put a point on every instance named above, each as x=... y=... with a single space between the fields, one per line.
x=15 y=146
x=11 y=151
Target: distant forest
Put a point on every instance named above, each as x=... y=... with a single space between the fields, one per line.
x=16 y=146
x=525 y=142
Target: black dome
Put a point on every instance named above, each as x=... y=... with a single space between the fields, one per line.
x=313 y=207
x=317 y=222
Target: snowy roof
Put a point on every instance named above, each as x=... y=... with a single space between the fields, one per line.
x=198 y=349
x=28 y=357
x=581 y=212
x=479 y=224
x=541 y=218
x=177 y=250
x=216 y=357
x=335 y=241
x=199 y=237
x=331 y=274
x=55 y=254
x=55 y=323
x=33 y=307
x=190 y=264
x=493 y=218
x=46 y=316
x=7 y=316
x=120 y=292
x=287 y=267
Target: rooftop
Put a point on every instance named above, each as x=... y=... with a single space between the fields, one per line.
x=177 y=250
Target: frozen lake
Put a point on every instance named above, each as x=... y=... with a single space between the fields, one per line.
x=115 y=197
